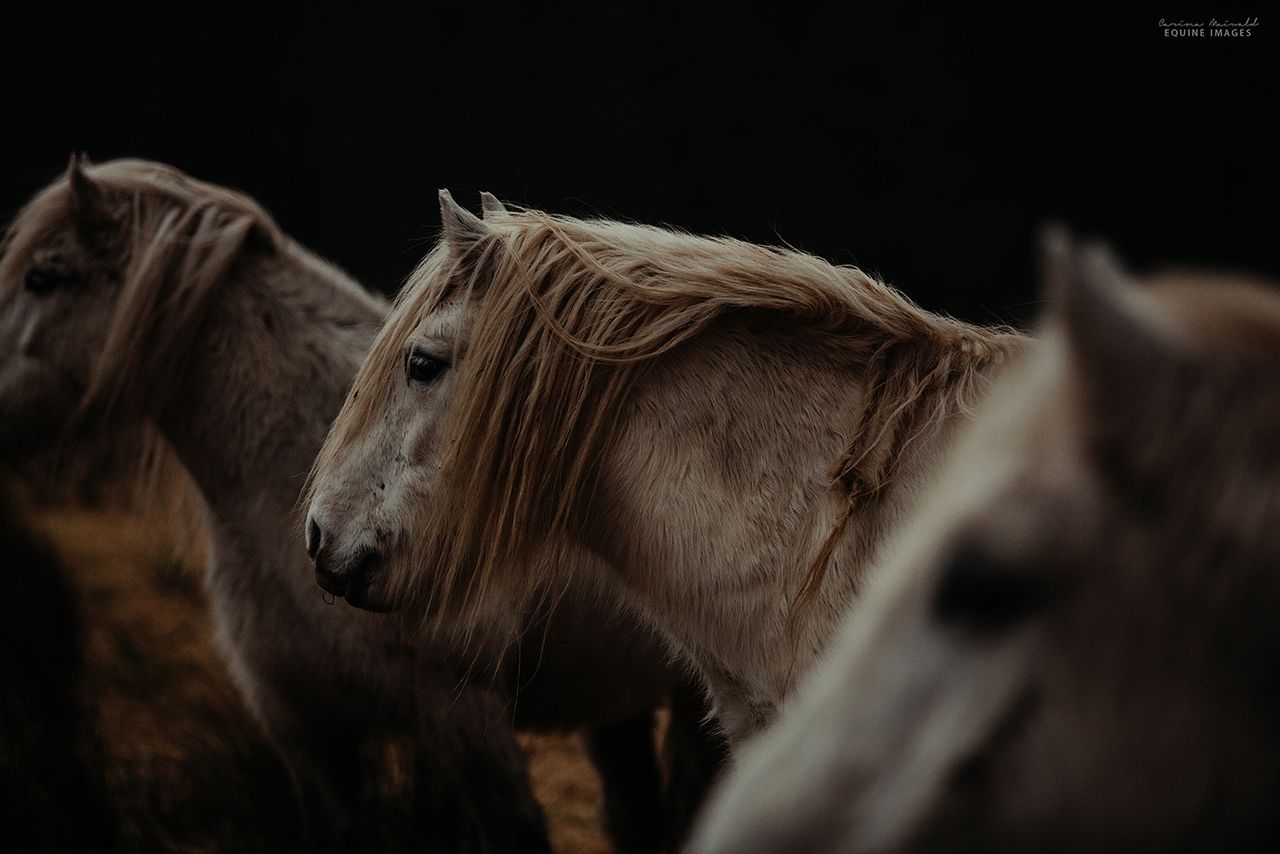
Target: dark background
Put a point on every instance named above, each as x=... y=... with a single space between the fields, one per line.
x=924 y=147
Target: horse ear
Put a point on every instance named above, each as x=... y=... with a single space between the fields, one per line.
x=1122 y=347
x=461 y=227
x=261 y=239
x=88 y=200
x=490 y=206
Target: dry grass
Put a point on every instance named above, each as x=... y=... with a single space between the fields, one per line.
x=569 y=791
x=186 y=768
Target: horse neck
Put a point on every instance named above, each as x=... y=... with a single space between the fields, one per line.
x=275 y=354
x=725 y=496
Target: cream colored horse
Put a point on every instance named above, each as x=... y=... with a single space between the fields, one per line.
x=1074 y=646
x=135 y=299
x=732 y=429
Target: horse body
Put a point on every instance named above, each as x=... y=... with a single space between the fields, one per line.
x=243 y=399
x=1071 y=647
x=700 y=414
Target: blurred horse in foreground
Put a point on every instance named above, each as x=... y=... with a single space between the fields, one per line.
x=1074 y=645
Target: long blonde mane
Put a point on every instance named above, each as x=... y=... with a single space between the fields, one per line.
x=568 y=316
x=174 y=239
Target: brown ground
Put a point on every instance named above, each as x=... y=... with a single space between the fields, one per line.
x=186 y=769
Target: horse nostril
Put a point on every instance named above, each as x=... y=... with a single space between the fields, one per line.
x=330 y=578
x=329 y=574
x=314 y=538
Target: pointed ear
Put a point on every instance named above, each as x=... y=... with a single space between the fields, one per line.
x=88 y=201
x=263 y=240
x=490 y=206
x=462 y=228
x=1109 y=321
x=1123 y=349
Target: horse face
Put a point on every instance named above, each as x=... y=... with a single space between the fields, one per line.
x=56 y=301
x=364 y=505
x=1071 y=646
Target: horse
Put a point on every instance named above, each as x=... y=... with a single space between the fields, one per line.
x=1072 y=646
x=731 y=429
x=147 y=309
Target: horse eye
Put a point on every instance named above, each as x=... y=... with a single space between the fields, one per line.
x=981 y=595
x=422 y=368
x=40 y=281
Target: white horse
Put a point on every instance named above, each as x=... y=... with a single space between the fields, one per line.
x=1074 y=646
x=733 y=429
x=135 y=298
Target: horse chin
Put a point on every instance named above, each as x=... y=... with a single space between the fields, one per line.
x=370 y=598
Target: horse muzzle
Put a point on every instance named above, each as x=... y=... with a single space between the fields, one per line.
x=352 y=575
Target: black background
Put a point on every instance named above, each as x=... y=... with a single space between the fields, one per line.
x=926 y=147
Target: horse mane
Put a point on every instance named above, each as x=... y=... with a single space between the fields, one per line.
x=179 y=239
x=570 y=313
